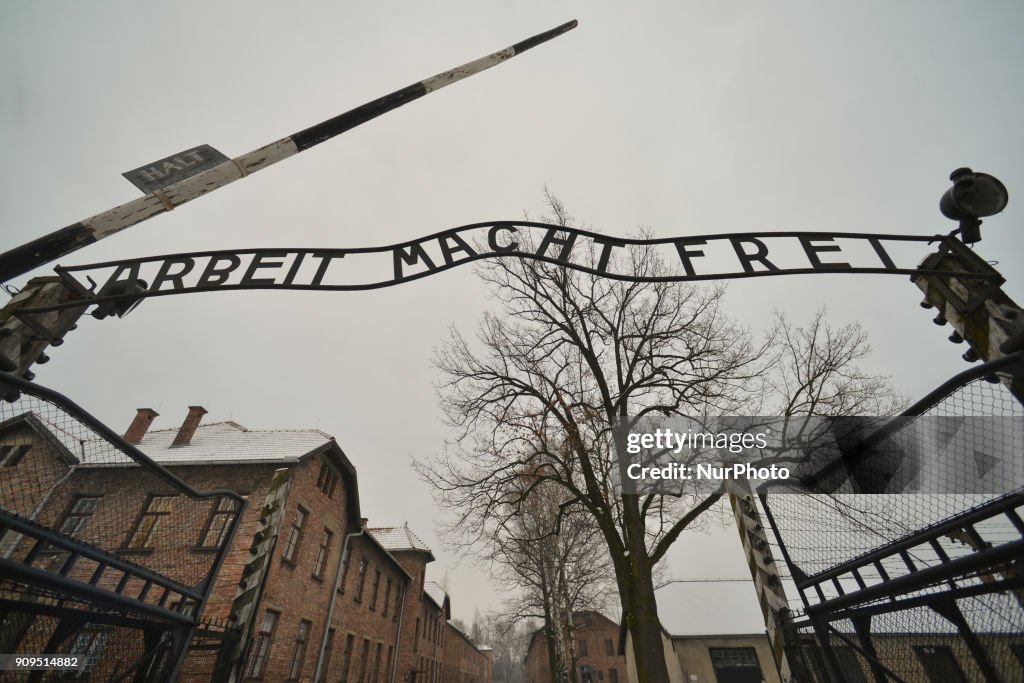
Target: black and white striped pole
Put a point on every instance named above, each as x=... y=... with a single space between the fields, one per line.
x=26 y=257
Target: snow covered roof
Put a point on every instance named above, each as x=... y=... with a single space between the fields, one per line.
x=216 y=443
x=230 y=442
x=435 y=592
x=395 y=538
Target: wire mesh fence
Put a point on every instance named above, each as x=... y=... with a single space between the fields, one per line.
x=918 y=585
x=104 y=554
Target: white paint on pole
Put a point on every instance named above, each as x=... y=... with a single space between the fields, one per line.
x=466 y=70
x=24 y=258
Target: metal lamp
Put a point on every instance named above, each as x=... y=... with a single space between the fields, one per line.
x=972 y=197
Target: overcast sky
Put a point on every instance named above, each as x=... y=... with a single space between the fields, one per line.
x=687 y=117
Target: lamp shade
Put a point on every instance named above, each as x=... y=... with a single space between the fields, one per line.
x=973 y=195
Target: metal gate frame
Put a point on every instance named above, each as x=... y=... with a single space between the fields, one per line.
x=167 y=612
x=937 y=586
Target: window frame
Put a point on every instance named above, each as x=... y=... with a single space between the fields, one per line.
x=376 y=662
x=139 y=540
x=932 y=657
x=82 y=518
x=363 y=660
x=299 y=653
x=89 y=644
x=399 y=593
x=260 y=653
x=322 y=554
x=360 y=579
x=328 y=646
x=346 y=656
x=12 y=453
x=376 y=590
x=327 y=479
x=295 y=533
x=227 y=517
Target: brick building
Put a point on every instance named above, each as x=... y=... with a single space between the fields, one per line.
x=310 y=591
x=596 y=640
x=464 y=662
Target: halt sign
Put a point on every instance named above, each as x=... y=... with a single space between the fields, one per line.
x=167 y=171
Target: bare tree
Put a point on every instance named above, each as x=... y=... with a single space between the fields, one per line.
x=558 y=561
x=569 y=355
x=509 y=637
x=814 y=371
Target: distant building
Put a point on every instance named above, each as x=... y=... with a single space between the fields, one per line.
x=463 y=661
x=596 y=639
x=714 y=633
x=711 y=633
x=318 y=591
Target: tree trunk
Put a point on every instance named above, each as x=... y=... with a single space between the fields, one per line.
x=552 y=625
x=645 y=629
x=636 y=589
x=570 y=626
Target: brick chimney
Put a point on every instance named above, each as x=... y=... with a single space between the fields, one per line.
x=188 y=427
x=137 y=429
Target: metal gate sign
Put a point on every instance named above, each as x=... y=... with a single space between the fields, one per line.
x=692 y=258
x=175 y=168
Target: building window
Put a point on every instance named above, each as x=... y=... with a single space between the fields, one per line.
x=849 y=663
x=363 y=660
x=300 y=650
x=360 y=581
x=389 y=663
x=376 y=664
x=328 y=647
x=81 y=510
x=327 y=480
x=10 y=454
x=220 y=523
x=185 y=607
x=387 y=597
x=321 y=555
x=399 y=591
x=376 y=590
x=346 y=657
x=940 y=664
x=261 y=647
x=613 y=676
x=609 y=648
x=157 y=508
x=583 y=648
x=89 y=645
x=291 y=546
x=736 y=663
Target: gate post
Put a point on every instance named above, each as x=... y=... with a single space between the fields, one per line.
x=25 y=336
x=767 y=580
x=244 y=616
x=976 y=307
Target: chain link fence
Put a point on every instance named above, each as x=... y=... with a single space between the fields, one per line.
x=918 y=585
